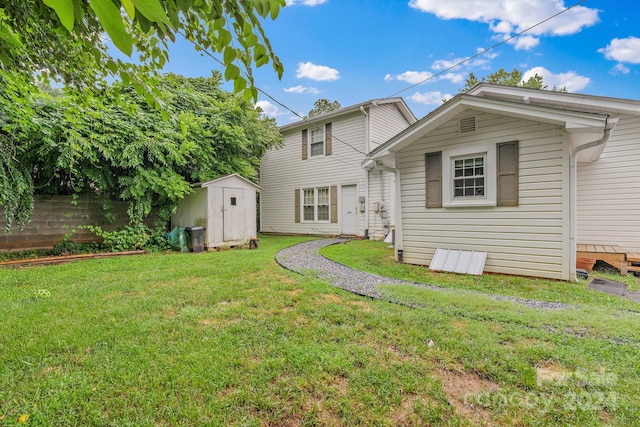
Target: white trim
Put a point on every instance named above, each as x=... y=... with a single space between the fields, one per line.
x=488 y=151
x=315 y=205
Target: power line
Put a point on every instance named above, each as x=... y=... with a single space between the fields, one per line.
x=457 y=64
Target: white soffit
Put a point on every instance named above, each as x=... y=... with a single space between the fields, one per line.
x=457 y=261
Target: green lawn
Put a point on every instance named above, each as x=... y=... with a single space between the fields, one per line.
x=230 y=338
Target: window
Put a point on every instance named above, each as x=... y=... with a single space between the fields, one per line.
x=317 y=142
x=458 y=178
x=233 y=201
x=309 y=206
x=315 y=204
x=469 y=177
x=323 y=204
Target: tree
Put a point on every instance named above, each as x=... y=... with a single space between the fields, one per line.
x=502 y=77
x=63 y=40
x=117 y=146
x=323 y=106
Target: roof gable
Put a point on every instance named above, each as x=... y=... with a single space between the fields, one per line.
x=345 y=112
x=559 y=100
x=231 y=181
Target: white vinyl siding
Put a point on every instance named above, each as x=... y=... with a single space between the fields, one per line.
x=530 y=239
x=282 y=171
x=608 y=203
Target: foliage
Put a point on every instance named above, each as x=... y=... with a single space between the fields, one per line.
x=64 y=40
x=502 y=77
x=120 y=147
x=131 y=238
x=323 y=106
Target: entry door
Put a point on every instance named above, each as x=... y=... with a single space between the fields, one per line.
x=233 y=214
x=349 y=209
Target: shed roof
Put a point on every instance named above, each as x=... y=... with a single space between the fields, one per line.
x=228 y=181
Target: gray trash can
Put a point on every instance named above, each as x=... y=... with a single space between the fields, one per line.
x=196 y=238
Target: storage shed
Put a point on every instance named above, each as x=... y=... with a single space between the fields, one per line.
x=225 y=207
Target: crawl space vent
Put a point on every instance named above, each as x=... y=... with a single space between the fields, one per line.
x=467 y=124
x=457 y=261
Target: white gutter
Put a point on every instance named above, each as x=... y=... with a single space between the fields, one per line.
x=399 y=248
x=367 y=144
x=574 y=137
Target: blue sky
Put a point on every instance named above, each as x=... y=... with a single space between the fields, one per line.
x=352 y=51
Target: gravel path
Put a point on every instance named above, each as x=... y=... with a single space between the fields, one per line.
x=305 y=258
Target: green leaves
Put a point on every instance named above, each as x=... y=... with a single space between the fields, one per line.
x=109 y=16
x=152 y=10
x=64 y=10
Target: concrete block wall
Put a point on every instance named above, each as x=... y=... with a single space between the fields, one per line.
x=55 y=216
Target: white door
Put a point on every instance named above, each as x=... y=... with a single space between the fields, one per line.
x=349 y=209
x=233 y=214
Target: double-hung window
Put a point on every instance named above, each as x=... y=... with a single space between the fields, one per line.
x=317 y=141
x=316 y=204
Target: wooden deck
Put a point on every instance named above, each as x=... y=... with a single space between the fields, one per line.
x=613 y=255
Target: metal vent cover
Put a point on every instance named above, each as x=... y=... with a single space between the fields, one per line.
x=467 y=124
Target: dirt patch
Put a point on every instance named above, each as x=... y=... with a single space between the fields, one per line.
x=551 y=372
x=460 y=388
x=333 y=298
x=365 y=307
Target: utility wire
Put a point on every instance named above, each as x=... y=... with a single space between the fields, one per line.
x=457 y=64
x=306 y=119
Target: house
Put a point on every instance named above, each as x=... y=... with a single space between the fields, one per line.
x=529 y=176
x=225 y=207
x=315 y=184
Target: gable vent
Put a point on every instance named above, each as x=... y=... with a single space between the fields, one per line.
x=467 y=124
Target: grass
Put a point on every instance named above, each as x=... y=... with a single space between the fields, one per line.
x=230 y=338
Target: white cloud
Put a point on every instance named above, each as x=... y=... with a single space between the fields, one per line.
x=413 y=77
x=316 y=72
x=570 y=80
x=430 y=98
x=269 y=109
x=620 y=69
x=507 y=17
x=623 y=50
x=302 y=89
x=306 y=2
x=525 y=42
x=455 y=78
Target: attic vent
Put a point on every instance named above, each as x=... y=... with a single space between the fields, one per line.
x=467 y=124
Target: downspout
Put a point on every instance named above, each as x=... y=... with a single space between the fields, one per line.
x=573 y=211
x=397 y=206
x=367 y=144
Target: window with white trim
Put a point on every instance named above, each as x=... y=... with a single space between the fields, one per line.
x=323 y=204
x=316 y=202
x=469 y=177
x=317 y=141
x=309 y=213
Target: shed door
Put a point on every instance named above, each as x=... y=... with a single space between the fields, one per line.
x=233 y=214
x=349 y=209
